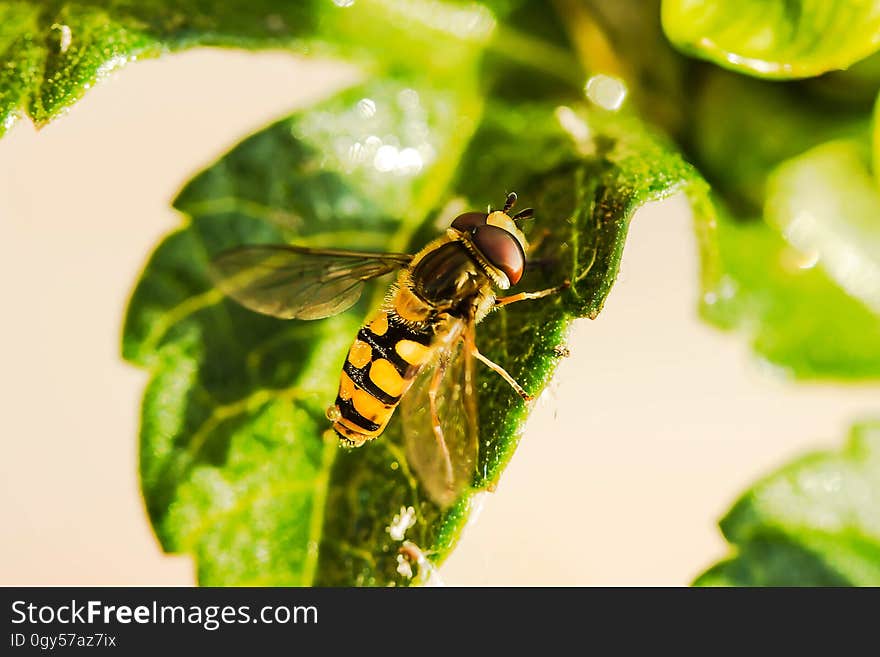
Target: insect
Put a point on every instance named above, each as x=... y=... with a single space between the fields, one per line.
x=418 y=350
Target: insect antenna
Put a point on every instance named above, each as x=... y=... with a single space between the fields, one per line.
x=528 y=213
x=510 y=202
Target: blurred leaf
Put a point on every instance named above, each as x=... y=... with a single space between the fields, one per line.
x=795 y=315
x=743 y=128
x=855 y=87
x=54 y=51
x=739 y=130
x=826 y=204
x=530 y=57
x=233 y=465
x=624 y=39
x=796 y=312
x=815 y=522
x=776 y=38
x=875 y=141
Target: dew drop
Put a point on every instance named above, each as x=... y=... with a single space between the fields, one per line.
x=386 y=158
x=727 y=287
x=356 y=153
x=409 y=162
x=809 y=259
x=606 y=91
x=408 y=99
x=366 y=107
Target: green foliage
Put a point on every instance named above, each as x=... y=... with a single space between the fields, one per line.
x=794 y=314
x=54 y=51
x=777 y=121
x=775 y=38
x=233 y=463
x=826 y=204
x=800 y=206
x=814 y=522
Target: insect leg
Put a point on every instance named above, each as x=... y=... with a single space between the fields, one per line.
x=523 y=296
x=470 y=398
x=504 y=375
x=435 y=419
x=471 y=346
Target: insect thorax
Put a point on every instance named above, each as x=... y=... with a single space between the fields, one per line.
x=447 y=278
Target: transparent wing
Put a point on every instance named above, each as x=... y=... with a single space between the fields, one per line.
x=298 y=282
x=456 y=416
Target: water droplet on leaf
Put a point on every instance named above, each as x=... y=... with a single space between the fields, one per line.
x=606 y=91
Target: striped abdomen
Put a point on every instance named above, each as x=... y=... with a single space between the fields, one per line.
x=381 y=365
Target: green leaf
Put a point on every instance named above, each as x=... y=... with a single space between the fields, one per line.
x=875 y=141
x=795 y=316
x=826 y=204
x=624 y=39
x=779 y=286
x=776 y=122
x=775 y=38
x=234 y=468
x=815 y=522
x=739 y=130
x=854 y=87
x=54 y=51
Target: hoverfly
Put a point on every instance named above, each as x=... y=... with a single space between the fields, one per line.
x=418 y=350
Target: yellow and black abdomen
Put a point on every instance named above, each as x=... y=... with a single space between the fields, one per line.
x=381 y=365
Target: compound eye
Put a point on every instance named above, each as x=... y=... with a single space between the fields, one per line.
x=469 y=220
x=501 y=249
